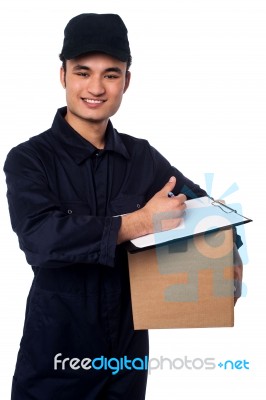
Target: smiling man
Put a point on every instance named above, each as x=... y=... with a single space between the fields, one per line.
x=76 y=194
x=95 y=84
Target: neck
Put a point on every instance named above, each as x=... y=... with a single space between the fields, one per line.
x=92 y=131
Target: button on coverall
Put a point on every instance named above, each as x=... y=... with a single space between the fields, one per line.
x=65 y=198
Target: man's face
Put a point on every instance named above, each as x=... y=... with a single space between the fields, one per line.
x=95 y=84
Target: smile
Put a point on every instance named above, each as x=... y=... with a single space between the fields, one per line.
x=92 y=101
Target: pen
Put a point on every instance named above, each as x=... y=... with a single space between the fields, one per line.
x=171 y=194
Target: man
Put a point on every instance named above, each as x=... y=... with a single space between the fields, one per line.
x=77 y=193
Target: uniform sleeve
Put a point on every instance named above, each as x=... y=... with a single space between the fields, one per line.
x=49 y=236
x=163 y=171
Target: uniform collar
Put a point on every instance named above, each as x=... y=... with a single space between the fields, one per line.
x=78 y=147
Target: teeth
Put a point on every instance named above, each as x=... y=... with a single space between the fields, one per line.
x=93 y=101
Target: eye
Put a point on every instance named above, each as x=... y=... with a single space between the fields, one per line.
x=83 y=74
x=111 y=76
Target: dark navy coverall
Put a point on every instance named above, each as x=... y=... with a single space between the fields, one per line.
x=65 y=198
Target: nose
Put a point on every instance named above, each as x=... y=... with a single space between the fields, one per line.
x=96 y=86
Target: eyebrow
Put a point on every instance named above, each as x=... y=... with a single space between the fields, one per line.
x=80 y=67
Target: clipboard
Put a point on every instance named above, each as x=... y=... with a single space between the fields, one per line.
x=202 y=215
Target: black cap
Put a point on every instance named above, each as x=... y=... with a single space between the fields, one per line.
x=104 y=33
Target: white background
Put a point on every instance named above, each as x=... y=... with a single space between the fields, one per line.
x=198 y=95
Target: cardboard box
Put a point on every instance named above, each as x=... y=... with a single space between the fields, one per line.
x=185 y=283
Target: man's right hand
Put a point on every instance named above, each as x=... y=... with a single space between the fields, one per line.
x=160 y=213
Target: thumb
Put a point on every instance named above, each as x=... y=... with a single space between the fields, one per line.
x=168 y=187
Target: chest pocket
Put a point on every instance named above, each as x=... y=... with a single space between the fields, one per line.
x=76 y=208
x=126 y=203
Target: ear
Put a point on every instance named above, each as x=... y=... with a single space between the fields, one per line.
x=63 y=77
x=127 y=81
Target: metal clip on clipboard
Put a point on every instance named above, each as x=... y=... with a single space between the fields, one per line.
x=225 y=208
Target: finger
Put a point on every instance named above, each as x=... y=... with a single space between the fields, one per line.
x=181 y=198
x=168 y=187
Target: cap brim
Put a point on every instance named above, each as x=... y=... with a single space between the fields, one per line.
x=76 y=52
